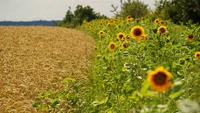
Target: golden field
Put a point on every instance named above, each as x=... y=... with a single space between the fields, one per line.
x=35 y=59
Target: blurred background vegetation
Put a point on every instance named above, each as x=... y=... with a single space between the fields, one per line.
x=177 y=11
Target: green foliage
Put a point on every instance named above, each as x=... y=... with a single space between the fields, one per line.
x=134 y=8
x=178 y=10
x=117 y=81
x=81 y=13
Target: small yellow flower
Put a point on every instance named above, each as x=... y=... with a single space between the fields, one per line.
x=120 y=36
x=197 y=55
x=162 y=22
x=142 y=19
x=109 y=25
x=101 y=32
x=137 y=32
x=100 y=23
x=159 y=79
x=125 y=45
x=162 y=30
x=144 y=38
x=112 y=46
x=156 y=21
x=128 y=37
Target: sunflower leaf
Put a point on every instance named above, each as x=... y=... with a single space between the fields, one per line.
x=175 y=95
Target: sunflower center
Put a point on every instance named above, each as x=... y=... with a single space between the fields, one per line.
x=157 y=21
x=198 y=55
x=120 y=36
x=112 y=46
x=137 y=32
x=162 y=30
x=124 y=45
x=160 y=78
x=190 y=36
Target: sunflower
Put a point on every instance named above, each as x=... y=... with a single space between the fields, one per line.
x=162 y=30
x=112 y=20
x=88 y=23
x=108 y=25
x=159 y=79
x=120 y=36
x=190 y=37
x=125 y=45
x=101 y=32
x=100 y=23
x=142 y=18
x=128 y=17
x=128 y=20
x=144 y=38
x=162 y=22
x=197 y=55
x=137 y=32
x=128 y=37
x=156 y=21
x=112 y=46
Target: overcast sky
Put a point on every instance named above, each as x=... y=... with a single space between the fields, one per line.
x=27 y=10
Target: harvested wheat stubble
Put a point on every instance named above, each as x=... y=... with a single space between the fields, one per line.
x=34 y=59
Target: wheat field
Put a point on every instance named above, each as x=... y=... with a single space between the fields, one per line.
x=35 y=59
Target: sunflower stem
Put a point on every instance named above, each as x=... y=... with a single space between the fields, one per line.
x=137 y=56
x=162 y=98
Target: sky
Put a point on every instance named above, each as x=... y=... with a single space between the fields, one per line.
x=28 y=10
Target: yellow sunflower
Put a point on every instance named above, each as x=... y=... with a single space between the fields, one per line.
x=120 y=36
x=125 y=45
x=128 y=17
x=197 y=55
x=101 y=32
x=100 y=23
x=137 y=32
x=190 y=37
x=112 y=46
x=162 y=22
x=156 y=21
x=128 y=37
x=159 y=79
x=162 y=30
x=109 y=25
x=142 y=18
x=144 y=38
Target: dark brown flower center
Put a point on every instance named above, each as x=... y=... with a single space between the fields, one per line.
x=198 y=55
x=124 y=46
x=128 y=37
x=160 y=78
x=120 y=36
x=112 y=46
x=162 y=30
x=190 y=36
x=157 y=21
x=137 y=32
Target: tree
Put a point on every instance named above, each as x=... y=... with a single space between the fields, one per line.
x=134 y=8
x=79 y=15
x=178 y=10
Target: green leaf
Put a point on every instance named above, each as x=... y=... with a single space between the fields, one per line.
x=145 y=87
x=37 y=104
x=97 y=103
x=175 y=95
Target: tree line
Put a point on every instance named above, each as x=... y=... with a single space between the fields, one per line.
x=178 y=11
